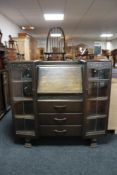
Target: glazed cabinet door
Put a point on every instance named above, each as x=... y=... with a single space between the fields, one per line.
x=97 y=95
x=21 y=82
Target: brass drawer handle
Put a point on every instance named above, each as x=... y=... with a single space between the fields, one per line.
x=60 y=131
x=60 y=107
x=60 y=119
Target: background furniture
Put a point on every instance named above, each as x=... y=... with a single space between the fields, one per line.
x=114 y=56
x=4 y=84
x=2 y=105
x=112 y=124
x=60 y=98
x=55 y=45
x=26 y=46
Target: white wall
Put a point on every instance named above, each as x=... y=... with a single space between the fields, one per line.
x=114 y=44
x=41 y=43
x=8 y=28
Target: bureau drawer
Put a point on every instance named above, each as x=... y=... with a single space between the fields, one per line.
x=59 y=106
x=60 y=119
x=60 y=130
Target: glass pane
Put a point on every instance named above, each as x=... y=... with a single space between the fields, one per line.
x=97 y=124
x=91 y=125
x=27 y=74
x=104 y=73
x=25 y=107
x=16 y=75
x=96 y=107
x=98 y=89
x=19 y=124
x=93 y=89
x=103 y=88
x=101 y=107
x=22 y=89
x=99 y=73
x=101 y=124
x=21 y=74
x=22 y=124
x=29 y=125
x=94 y=73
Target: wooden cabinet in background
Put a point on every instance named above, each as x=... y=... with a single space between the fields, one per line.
x=11 y=54
x=40 y=53
x=26 y=46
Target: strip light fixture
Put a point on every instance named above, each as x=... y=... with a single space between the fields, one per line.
x=106 y=35
x=55 y=34
x=27 y=27
x=54 y=17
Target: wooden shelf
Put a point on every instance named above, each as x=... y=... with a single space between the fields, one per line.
x=15 y=99
x=25 y=133
x=22 y=81
x=49 y=100
x=95 y=133
x=24 y=116
x=98 y=98
x=96 y=79
x=95 y=116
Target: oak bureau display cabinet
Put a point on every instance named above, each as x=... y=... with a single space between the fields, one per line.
x=60 y=98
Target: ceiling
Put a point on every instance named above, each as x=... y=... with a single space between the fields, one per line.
x=84 y=19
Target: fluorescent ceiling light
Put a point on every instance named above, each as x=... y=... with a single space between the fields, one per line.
x=106 y=35
x=23 y=27
x=53 y=17
x=32 y=27
x=55 y=34
x=27 y=27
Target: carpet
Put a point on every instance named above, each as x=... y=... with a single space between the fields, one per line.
x=55 y=157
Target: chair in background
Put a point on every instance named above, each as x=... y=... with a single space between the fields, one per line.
x=55 y=44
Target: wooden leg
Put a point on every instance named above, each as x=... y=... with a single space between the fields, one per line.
x=27 y=142
x=93 y=143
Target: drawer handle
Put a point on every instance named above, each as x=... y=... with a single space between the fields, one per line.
x=60 y=107
x=64 y=106
x=60 y=131
x=60 y=119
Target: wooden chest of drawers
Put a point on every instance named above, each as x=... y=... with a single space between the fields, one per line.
x=60 y=117
x=61 y=106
